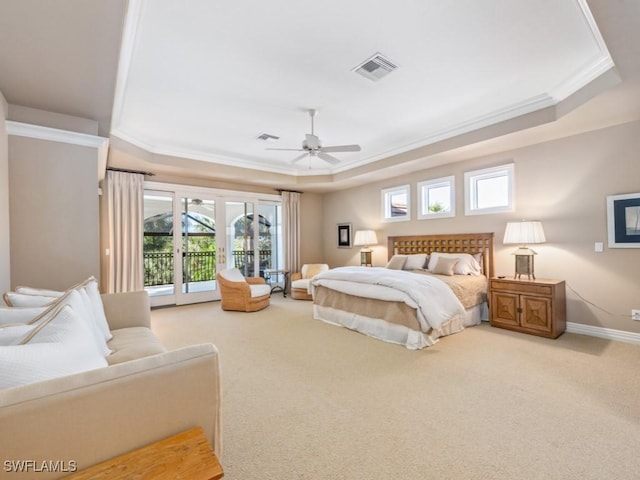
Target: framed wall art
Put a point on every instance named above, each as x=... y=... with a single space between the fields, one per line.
x=623 y=220
x=344 y=235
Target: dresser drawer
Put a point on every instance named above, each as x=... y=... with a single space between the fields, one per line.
x=528 y=288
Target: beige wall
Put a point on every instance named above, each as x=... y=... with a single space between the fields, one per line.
x=564 y=184
x=311 y=224
x=5 y=272
x=53 y=212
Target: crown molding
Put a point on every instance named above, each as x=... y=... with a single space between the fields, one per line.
x=101 y=144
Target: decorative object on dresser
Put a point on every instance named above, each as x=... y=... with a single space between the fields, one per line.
x=365 y=238
x=537 y=306
x=524 y=233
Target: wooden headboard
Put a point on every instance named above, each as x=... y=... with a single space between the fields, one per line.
x=471 y=243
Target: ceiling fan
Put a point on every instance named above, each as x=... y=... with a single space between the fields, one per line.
x=311 y=146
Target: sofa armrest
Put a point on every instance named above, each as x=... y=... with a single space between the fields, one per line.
x=86 y=418
x=127 y=309
x=255 y=280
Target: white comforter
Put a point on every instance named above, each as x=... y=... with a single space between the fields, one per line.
x=434 y=300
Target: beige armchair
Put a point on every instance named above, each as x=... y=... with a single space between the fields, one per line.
x=244 y=294
x=300 y=280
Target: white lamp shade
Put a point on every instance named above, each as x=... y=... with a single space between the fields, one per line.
x=365 y=238
x=524 y=233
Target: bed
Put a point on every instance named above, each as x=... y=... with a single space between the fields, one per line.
x=411 y=302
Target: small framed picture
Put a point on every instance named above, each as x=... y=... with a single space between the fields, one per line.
x=623 y=220
x=344 y=235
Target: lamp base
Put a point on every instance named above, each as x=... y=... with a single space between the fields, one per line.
x=524 y=266
x=365 y=257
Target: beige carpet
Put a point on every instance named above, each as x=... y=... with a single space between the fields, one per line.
x=307 y=400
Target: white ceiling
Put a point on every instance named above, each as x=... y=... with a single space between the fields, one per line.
x=184 y=88
x=202 y=80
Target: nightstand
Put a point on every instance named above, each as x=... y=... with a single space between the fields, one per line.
x=536 y=306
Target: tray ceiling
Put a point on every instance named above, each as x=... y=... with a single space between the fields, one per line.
x=203 y=80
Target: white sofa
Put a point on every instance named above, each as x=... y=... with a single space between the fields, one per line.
x=145 y=394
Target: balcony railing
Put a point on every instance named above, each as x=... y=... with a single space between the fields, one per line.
x=197 y=266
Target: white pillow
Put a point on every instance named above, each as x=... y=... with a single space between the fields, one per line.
x=39 y=291
x=12 y=315
x=15 y=299
x=60 y=345
x=78 y=300
x=467 y=265
x=14 y=334
x=90 y=306
x=98 y=308
x=415 y=261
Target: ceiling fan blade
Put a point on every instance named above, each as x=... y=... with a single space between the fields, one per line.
x=299 y=157
x=287 y=149
x=328 y=158
x=341 y=148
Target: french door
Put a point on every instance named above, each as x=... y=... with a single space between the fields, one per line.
x=214 y=231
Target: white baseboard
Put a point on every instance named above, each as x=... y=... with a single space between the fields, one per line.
x=608 y=333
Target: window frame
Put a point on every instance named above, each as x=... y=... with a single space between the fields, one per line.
x=386 y=194
x=423 y=189
x=471 y=180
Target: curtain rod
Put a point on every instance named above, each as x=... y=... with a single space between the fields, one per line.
x=290 y=191
x=126 y=170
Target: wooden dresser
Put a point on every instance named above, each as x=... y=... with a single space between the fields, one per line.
x=537 y=306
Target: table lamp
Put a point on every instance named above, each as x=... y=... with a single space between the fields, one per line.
x=524 y=233
x=365 y=238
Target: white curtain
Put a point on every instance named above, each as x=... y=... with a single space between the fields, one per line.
x=125 y=211
x=291 y=230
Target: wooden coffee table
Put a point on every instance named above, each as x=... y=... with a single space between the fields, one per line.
x=185 y=455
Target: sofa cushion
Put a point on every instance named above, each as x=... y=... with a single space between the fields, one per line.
x=132 y=343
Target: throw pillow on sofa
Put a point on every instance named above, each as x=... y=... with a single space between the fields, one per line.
x=60 y=344
x=84 y=298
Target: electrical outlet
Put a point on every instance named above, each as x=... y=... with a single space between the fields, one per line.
x=635 y=314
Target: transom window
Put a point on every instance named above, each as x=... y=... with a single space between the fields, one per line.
x=489 y=190
x=396 y=204
x=437 y=198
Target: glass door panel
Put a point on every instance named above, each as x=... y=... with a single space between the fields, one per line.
x=198 y=250
x=158 y=247
x=240 y=238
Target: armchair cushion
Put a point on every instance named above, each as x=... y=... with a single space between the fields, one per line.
x=233 y=275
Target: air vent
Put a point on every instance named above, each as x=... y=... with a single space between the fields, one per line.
x=266 y=137
x=376 y=67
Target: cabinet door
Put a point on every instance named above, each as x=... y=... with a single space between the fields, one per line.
x=536 y=313
x=504 y=308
